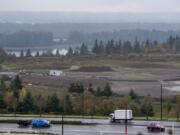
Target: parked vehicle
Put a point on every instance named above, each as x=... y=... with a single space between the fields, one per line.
x=153 y=127
x=40 y=123
x=120 y=115
x=24 y=123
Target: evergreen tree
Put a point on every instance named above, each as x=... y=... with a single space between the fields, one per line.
x=57 y=52
x=37 y=54
x=95 y=48
x=133 y=95
x=84 y=49
x=70 y=51
x=127 y=47
x=98 y=92
x=16 y=86
x=28 y=53
x=27 y=105
x=107 y=90
x=2 y=102
x=53 y=104
x=22 y=54
x=3 y=86
x=137 y=48
x=90 y=88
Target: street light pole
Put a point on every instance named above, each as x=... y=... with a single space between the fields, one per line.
x=63 y=116
x=126 y=132
x=62 y=123
x=161 y=101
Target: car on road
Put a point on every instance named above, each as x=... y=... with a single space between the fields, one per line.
x=40 y=123
x=24 y=123
x=154 y=127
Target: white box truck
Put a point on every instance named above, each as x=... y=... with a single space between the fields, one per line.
x=120 y=115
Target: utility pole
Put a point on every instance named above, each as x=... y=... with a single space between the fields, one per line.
x=126 y=132
x=161 y=101
x=62 y=123
x=63 y=117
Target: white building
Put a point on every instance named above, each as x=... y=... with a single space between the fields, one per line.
x=55 y=72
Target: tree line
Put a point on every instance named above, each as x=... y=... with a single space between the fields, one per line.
x=15 y=98
x=111 y=47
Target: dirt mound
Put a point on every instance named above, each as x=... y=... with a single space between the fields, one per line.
x=95 y=69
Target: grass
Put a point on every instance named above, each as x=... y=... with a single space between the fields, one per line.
x=134 y=75
x=111 y=61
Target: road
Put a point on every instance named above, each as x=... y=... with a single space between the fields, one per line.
x=102 y=128
x=98 y=121
x=87 y=130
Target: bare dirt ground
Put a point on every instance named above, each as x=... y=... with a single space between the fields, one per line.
x=122 y=80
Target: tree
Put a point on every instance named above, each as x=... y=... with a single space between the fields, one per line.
x=84 y=49
x=28 y=53
x=16 y=84
x=68 y=109
x=90 y=88
x=95 y=48
x=70 y=51
x=98 y=92
x=127 y=47
x=124 y=102
x=106 y=107
x=40 y=103
x=133 y=95
x=37 y=54
x=53 y=104
x=22 y=54
x=137 y=48
x=107 y=90
x=147 y=107
x=3 y=86
x=3 y=55
x=178 y=106
x=2 y=102
x=168 y=107
x=89 y=102
x=27 y=105
x=57 y=52
x=76 y=88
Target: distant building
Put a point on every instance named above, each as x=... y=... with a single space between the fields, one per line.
x=55 y=72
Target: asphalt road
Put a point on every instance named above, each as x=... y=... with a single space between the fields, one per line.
x=87 y=130
x=104 y=127
x=98 y=121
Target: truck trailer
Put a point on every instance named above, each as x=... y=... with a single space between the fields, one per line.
x=121 y=115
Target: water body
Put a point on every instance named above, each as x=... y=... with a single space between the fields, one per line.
x=17 y=53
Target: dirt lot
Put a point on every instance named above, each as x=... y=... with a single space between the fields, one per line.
x=143 y=81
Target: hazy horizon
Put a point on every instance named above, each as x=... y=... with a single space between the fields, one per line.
x=140 y=6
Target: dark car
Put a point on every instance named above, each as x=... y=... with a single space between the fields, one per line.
x=40 y=123
x=24 y=123
x=152 y=127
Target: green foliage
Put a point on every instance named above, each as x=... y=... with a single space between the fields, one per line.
x=27 y=105
x=133 y=95
x=2 y=102
x=68 y=106
x=76 y=88
x=84 y=49
x=147 y=106
x=53 y=104
x=3 y=86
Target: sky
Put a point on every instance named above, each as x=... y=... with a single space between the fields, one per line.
x=142 y=6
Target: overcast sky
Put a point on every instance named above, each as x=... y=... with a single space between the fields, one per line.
x=92 y=5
